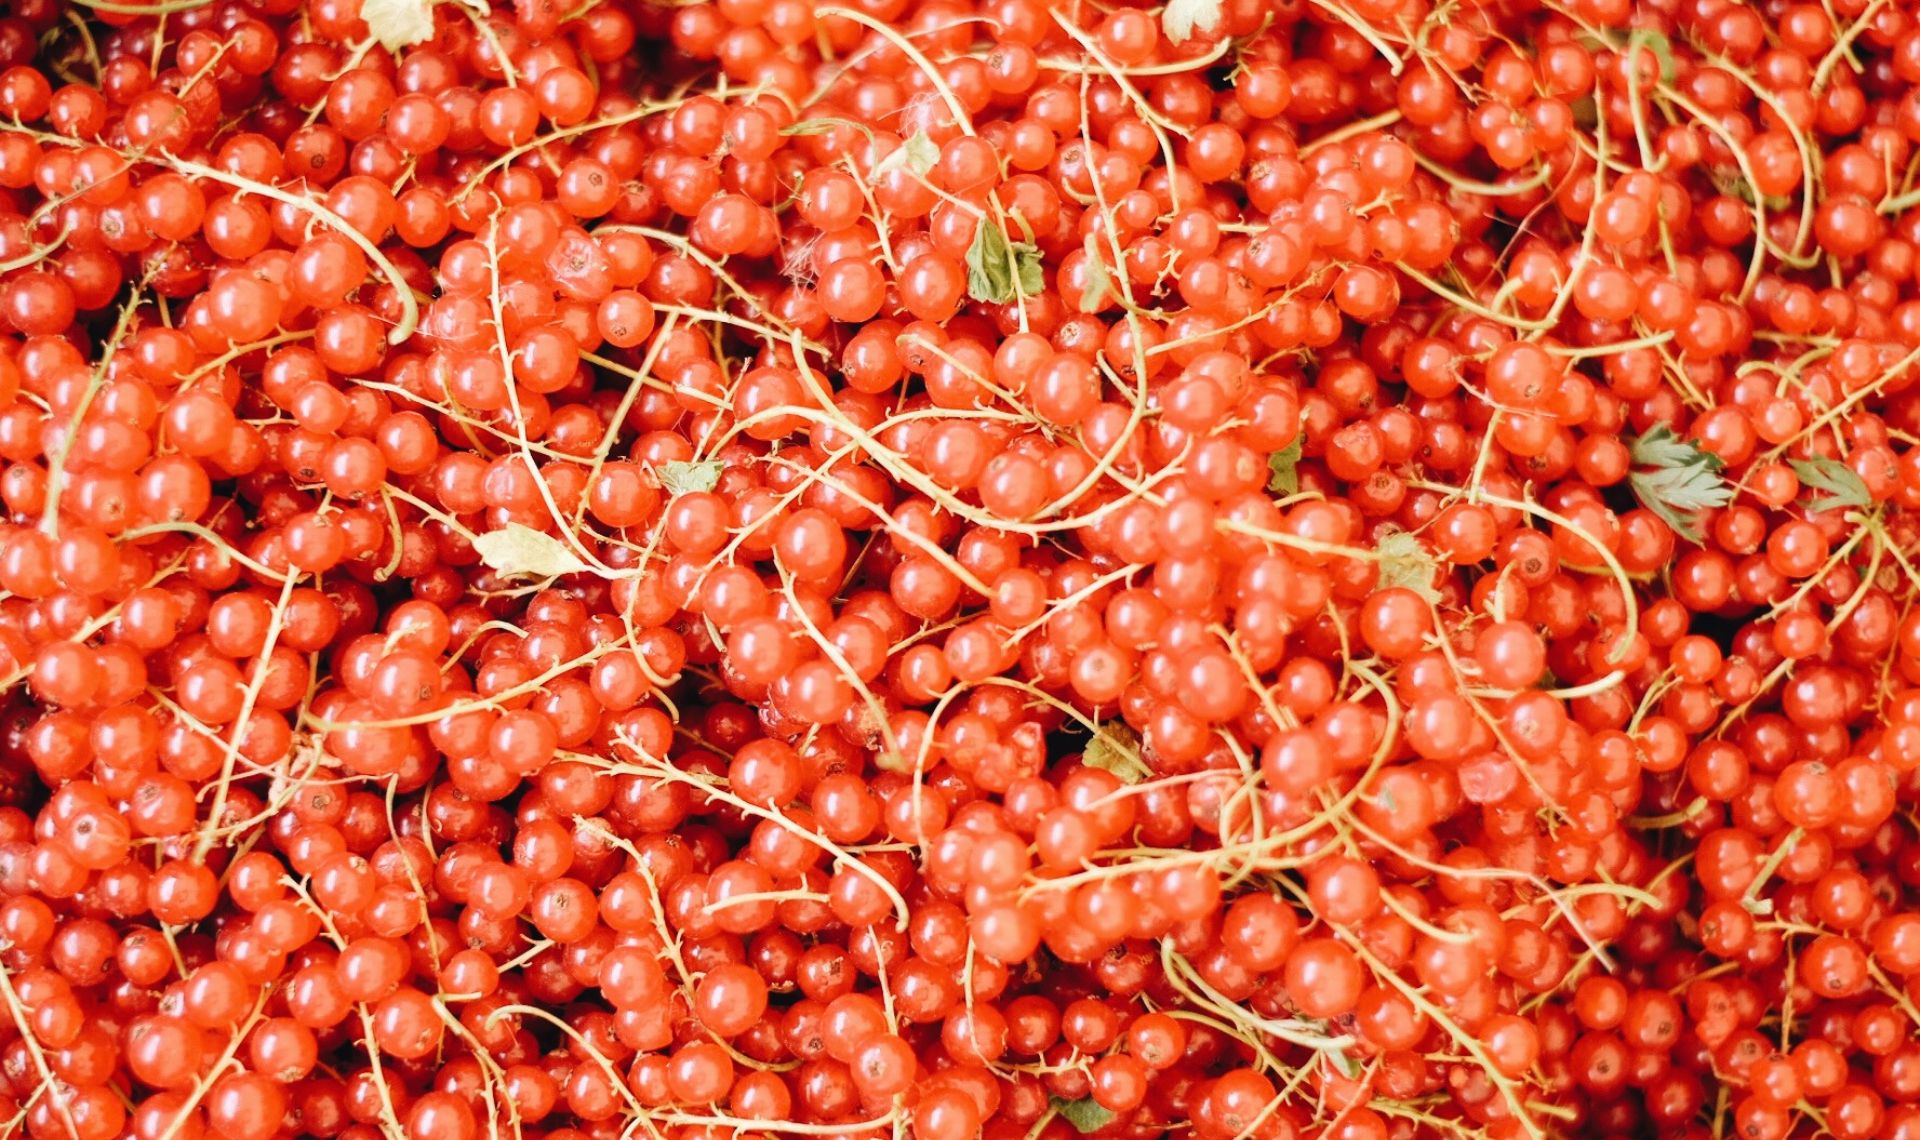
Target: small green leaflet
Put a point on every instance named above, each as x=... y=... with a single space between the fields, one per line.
x=1099 y=282
x=1026 y=263
x=1843 y=488
x=1659 y=447
x=1676 y=479
x=917 y=154
x=680 y=477
x=1283 y=474
x=1662 y=49
x=1406 y=563
x=1336 y=1055
x=999 y=270
x=1349 y=1068
x=399 y=23
x=1180 y=18
x=516 y=551
x=1731 y=182
x=1655 y=42
x=1114 y=748
x=1084 y=1114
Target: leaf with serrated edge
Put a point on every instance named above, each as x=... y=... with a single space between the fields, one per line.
x=680 y=477
x=1676 y=479
x=1099 y=282
x=1659 y=447
x=1662 y=49
x=1684 y=488
x=1676 y=493
x=1283 y=469
x=1180 y=18
x=1406 y=563
x=1114 y=748
x=990 y=264
x=921 y=151
x=516 y=551
x=399 y=23
x=1732 y=182
x=1028 y=276
x=1349 y=1068
x=1843 y=488
x=1086 y=1114
x=917 y=154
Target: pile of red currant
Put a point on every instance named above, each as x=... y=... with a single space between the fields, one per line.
x=931 y=569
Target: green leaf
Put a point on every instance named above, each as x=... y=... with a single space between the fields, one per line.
x=399 y=23
x=999 y=270
x=1676 y=494
x=1027 y=267
x=516 y=551
x=1283 y=475
x=1843 y=488
x=1349 y=1068
x=1406 y=563
x=921 y=152
x=1677 y=479
x=680 y=477
x=917 y=154
x=1731 y=182
x=1180 y=18
x=1659 y=447
x=1084 y=1114
x=1114 y=748
x=1662 y=48
x=990 y=264
x=1655 y=42
x=1099 y=281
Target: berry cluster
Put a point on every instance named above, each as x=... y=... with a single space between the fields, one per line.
x=1253 y=569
